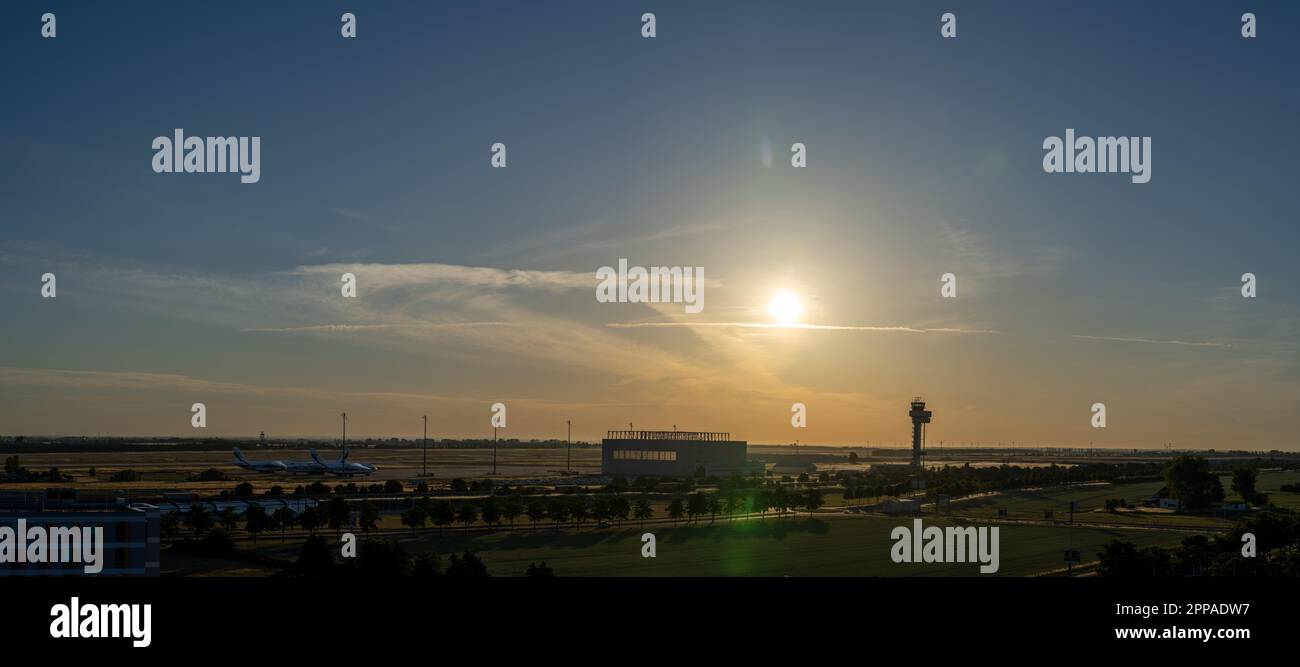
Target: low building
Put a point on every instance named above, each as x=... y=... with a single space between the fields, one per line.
x=131 y=532
x=1163 y=499
x=902 y=506
x=672 y=454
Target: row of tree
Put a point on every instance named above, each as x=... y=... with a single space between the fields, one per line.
x=339 y=514
x=1276 y=542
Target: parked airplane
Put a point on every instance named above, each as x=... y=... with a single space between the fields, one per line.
x=342 y=467
x=304 y=468
x=258 y=466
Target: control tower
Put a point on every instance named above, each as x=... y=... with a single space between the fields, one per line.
x=920 y=416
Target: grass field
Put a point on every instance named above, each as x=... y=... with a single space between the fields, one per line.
x=797 y=547
x=1270 y=483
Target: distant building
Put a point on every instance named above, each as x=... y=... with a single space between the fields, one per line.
x=131 y=531
x=794 y=464
x=902 y=506
x=1163 y=499
x=672 y=454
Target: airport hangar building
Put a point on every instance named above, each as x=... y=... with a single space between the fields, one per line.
x=672 y=454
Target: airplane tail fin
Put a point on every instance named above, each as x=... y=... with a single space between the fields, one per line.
x=344 y=456
x=316 y=457
x=239 y=456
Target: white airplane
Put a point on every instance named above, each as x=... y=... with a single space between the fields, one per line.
x=258 y=466
x=342 y=467
x=304 y=468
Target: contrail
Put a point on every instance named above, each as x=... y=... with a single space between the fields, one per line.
x=815 y=327
x=1119 y=339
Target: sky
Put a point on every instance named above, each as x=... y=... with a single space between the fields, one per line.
x=477 y=285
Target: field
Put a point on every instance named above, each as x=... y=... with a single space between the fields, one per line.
x=1270 y=483
x=830 y=546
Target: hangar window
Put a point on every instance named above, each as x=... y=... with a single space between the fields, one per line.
x=644 y=455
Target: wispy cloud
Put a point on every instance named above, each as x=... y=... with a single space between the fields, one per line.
x=384 y=276
x=603 y=235
x=343 y=328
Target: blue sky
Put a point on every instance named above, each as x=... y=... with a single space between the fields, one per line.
x=924 y=157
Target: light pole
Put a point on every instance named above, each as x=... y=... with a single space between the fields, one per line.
x=345 y=430
x=424 y=468
x=568 y=443
x=494 y=450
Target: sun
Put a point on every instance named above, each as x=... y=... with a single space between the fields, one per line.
x=785 y=307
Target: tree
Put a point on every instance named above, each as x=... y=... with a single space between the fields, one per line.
x=169 y=524
x=714 y=505
x=853 y=457
x=557 y=511
x=243 y=489
x=467 y=566
x=12 y=468
x=491 y=511
x=763 y=502
x=812 y=500
x=424 y=565
x=1243 y=484
x=310 y=519
x=228 y=519
x=284 y=518
x=600 y=510
x=458 y=485
x=337 y=514
x=676 y=510
x=696 y=505
x=127 y=475
x=539 y=570
x=511 y=509
x=536 y=512
x=1190 y=481
x=256 y=521
x=465 y=514
x=780 y=500
x=415 y=517
x=1123 y=559
x=578 y=510
x=733 y=501
x=368 y=519
x=443 y=515
x=643 y=510
x=619 y=509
